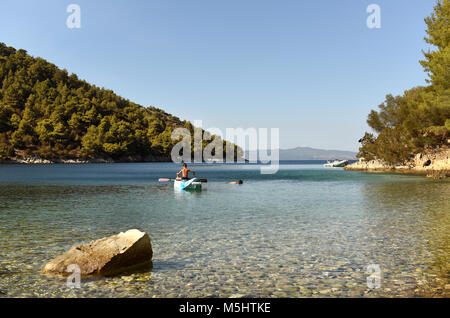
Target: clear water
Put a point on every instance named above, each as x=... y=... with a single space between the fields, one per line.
x=306 y=231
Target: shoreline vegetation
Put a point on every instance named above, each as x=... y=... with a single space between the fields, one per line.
x=412 y=131
x=47 y=115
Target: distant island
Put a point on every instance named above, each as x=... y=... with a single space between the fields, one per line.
x=308 y=153
x=412 y=131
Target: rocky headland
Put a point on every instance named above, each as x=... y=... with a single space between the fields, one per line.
x=433 y=163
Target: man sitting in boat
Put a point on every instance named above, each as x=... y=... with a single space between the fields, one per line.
x=185 y=172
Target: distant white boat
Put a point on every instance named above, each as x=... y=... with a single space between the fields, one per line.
x=336 y=164
x=214 y=160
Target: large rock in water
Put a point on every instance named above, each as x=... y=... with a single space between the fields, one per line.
x=105 y=257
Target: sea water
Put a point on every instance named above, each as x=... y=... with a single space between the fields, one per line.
x=306 y=231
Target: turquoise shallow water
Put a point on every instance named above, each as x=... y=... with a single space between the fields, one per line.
x=303 y=232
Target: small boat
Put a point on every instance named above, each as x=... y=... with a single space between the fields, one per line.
x=336 y=164
x=214 y=161
x=191 y=184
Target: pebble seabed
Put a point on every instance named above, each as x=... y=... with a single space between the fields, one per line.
x=266 y=269
x=304 y=240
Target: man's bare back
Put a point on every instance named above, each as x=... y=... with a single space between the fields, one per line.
x=185 y=172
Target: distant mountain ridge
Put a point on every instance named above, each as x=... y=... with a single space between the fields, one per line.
x=308 y=153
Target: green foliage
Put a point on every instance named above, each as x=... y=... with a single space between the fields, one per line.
x=368 y=148
x=46 y=112
x=420 y=118
x=437 y=63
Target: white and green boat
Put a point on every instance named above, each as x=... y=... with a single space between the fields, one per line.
x=191 y=184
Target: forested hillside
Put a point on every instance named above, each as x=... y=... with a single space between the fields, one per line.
x=47 y=113
x=420 y=118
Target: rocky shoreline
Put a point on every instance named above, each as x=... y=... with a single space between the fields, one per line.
x=129 y=159
x=434 y=164
x=37 y=160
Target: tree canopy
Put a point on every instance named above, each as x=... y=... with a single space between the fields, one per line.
x=47 y=113
x=420 y=118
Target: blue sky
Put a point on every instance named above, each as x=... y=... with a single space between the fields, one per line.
x=311 y=68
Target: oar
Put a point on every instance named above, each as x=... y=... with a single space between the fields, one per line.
x=167 y=180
